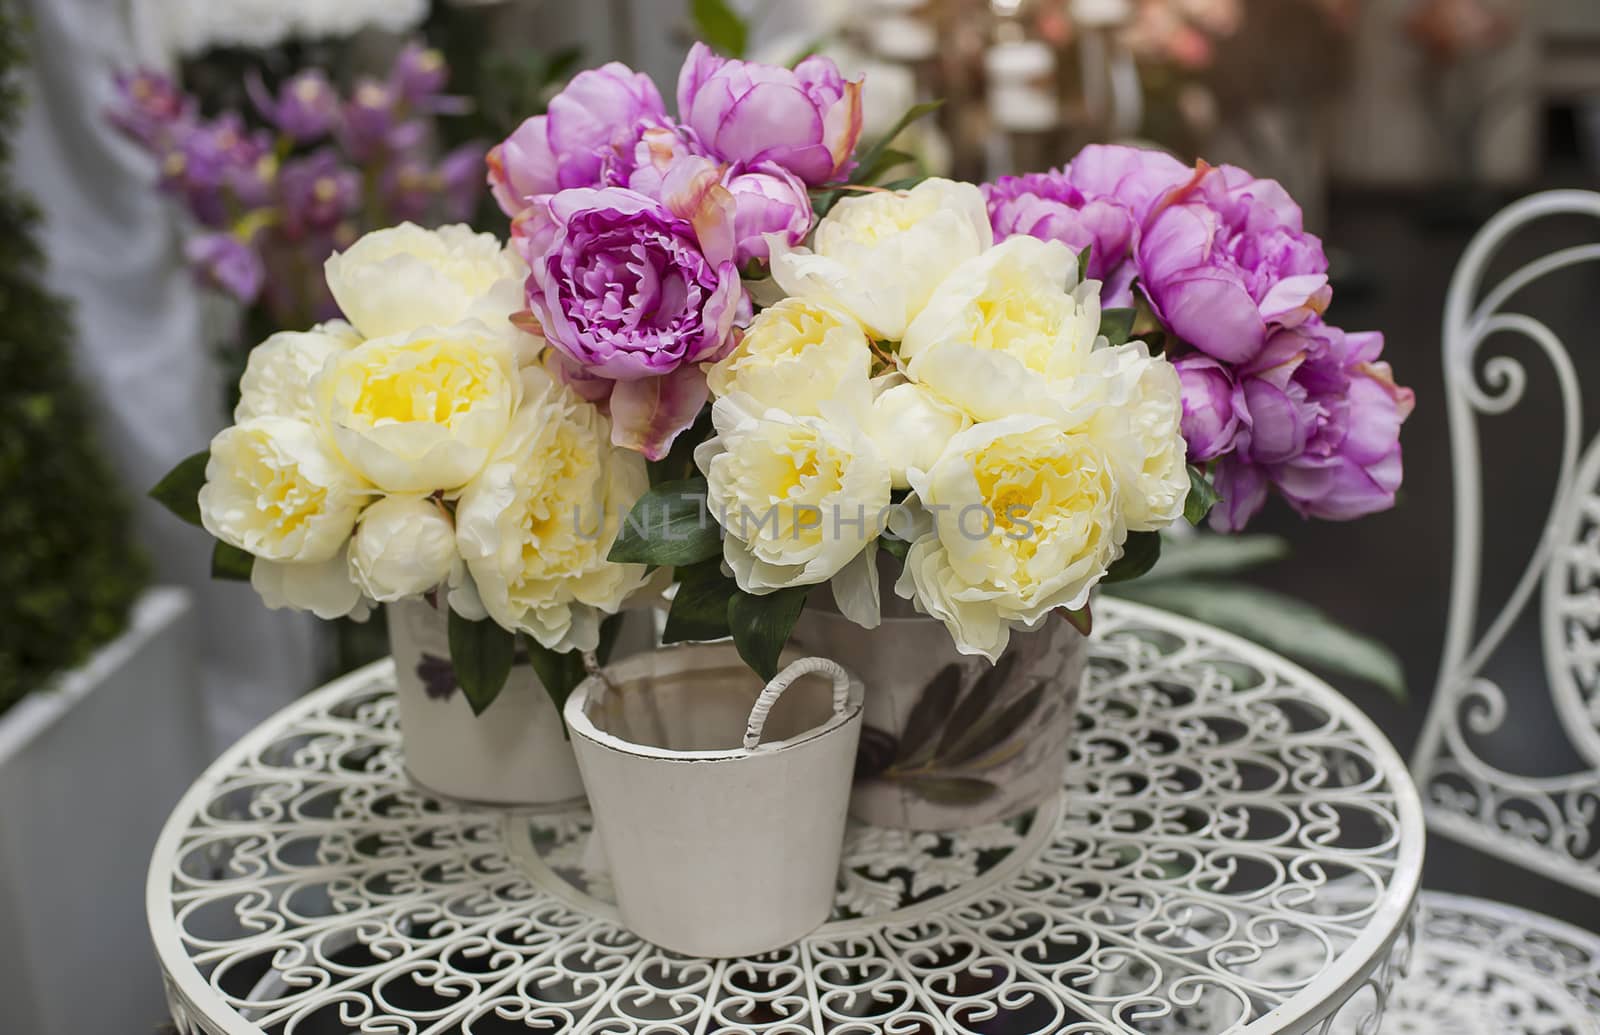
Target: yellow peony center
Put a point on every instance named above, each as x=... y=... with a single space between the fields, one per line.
x=874 y=218
x=284 y=500
x=1045 y=490
x=423 y=382
x=779 y=491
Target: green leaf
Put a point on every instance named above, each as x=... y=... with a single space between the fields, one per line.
x=887 y=159
x=560 y=674
x=897 y=548
x=1277 y=622
x=700 y=607
x=761 y=625
x=1209 y=554
x=1082 y=619
x=179 y=491
x=822 y=202
x=1117 y=325
x=719 y=26
x=1083 y=262
x=669 y=527
x=481 y=653
x=1202 y=496
x=871 y=158
x=905 y=183
x=1139 y=555
x=230 y=562
x=610 y=629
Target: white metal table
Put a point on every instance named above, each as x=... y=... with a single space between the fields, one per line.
x=1236 y=848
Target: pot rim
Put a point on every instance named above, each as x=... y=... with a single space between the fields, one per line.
x=694 y=655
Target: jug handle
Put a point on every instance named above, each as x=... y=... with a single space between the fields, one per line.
x=781 y=682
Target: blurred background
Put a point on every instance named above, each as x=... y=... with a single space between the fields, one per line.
x=1400 y=125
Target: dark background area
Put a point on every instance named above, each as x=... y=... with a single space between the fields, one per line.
x=1389 y=575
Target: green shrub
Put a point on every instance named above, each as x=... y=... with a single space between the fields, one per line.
x=68 y=567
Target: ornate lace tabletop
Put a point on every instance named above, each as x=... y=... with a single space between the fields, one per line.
x=1235 y=848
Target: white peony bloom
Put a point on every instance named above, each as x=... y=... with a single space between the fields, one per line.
x=324 y=588
x=1009 y=331
x=278 y=375
x=535 y=526
x=879 y=256
x=798 y=497
x=1139 y=428
x=911 y=427
x=273 y=490
x=420 y=412
x=1025 y=519
x=794 y=355
x=402 y=278
x=403 y=547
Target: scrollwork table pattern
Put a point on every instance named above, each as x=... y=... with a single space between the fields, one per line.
x=1235 y=849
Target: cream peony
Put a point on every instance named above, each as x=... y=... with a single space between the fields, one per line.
x=794 y=355
x=420 y=412
x=535 y=527
x=879 y=256
x=401 y=278
x=1139 y=428
x=278 y=374
x=911 y=427
x=324 y=588
x=1026 y=519
x=404 y=546
x=1009 y=331
x=799 y=497
x=273 y=490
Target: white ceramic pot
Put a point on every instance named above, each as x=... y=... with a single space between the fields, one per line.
x=950 y=741
x=515 y=753
x=722 y=824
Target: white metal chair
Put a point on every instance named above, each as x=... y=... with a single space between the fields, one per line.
x=1479 y=966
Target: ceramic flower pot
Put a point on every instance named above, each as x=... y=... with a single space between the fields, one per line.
x=949 y=741
x=515 y=753
x=719 y=803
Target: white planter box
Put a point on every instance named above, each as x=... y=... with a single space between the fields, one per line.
x=88 y=774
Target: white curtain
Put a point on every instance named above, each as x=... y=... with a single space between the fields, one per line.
x=114 y=250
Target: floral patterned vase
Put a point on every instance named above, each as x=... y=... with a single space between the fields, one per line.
x=515 y=753
x=950 y=741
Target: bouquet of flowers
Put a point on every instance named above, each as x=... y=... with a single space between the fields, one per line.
x=717 y=349
x=275 y=194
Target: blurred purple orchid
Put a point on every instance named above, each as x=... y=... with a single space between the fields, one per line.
x=279 y=187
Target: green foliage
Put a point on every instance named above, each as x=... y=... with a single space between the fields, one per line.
x=719 y=26
x=68 y=565
x=700 y=607
x=560 y=673
x=1195 y=577
x=1139 y=555
x=1117 y=324
x=1202 y=496
x=669 y=527
x=179 y=490
x=761 y=625
x=230 y=562
x=481 y=653
x=1277 y=622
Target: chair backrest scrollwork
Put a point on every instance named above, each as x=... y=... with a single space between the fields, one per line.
x=1550 y=824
